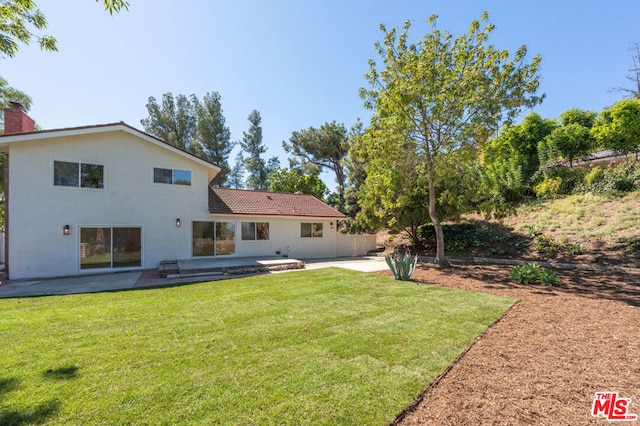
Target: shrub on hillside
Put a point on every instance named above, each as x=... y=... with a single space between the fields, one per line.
x=458 y=238
x=611 y=180
x=594 y=176
x=560 y=181
x=548 y=188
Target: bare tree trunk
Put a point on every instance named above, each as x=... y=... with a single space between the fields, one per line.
x=440 y=259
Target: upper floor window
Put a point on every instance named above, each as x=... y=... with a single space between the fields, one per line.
x=173 y=176
x=79 y=175
x=311 y=230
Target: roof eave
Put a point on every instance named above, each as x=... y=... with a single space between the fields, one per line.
x=5 y=140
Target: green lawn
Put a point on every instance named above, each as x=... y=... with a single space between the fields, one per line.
x=311 y=347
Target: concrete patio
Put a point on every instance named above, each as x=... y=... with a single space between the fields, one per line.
x=149 y=277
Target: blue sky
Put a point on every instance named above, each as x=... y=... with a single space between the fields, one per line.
x=299 y=62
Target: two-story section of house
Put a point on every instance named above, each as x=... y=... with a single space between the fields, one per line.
x=110 y=197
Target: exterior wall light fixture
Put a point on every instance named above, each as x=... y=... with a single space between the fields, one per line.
x=66 y=230
x=178 y=223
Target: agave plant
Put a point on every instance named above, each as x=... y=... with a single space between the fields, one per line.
x=402 y=266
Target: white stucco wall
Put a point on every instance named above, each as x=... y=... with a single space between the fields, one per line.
x=284 y=236
x=39 y=210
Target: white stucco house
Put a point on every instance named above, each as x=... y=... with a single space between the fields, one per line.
x=110 y=197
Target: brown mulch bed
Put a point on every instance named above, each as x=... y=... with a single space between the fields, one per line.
x=544 y=360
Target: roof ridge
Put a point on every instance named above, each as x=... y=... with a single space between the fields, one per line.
x=264 y=191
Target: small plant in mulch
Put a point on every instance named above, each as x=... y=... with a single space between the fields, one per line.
x=633 y=244
x=532 y=273
x=546 y=246
x=574 y=249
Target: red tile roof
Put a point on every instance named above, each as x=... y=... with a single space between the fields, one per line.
x=262 y=203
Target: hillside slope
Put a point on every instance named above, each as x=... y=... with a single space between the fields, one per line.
x=578 y=229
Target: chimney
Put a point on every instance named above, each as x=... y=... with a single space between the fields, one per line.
x=16 y=120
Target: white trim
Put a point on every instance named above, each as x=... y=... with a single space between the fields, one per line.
x=91 y=130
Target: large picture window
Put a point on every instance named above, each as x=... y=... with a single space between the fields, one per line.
x=78 y=175
x=255 y=231
x=171 y=176
x=311 y=230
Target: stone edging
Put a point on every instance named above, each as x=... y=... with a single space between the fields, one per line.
x=554 y=265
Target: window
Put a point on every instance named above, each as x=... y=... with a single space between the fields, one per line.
x=213 y=238
x=78 y=175
x=255 y=231
x=110 y=247
x=176 y=177
x=311 y=230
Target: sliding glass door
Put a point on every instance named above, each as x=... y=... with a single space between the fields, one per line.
x=110 y=247
x=213 y=238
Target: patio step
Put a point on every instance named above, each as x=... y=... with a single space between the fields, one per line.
x=195 y=268
x=168 y=267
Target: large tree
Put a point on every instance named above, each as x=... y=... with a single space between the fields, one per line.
x=435 y=98
x=618 y=127
x=194 y=125
x=236 y=175
x=19 y=18
x=510 y=163
x=251 y=143
x=325 y=147
x=296 y=180
x=172 y=121
x=212 y=134
x=572 y=139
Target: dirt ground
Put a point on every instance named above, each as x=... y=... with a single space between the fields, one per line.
x=544 y=360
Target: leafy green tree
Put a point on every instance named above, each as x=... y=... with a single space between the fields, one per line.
x=618 y=127
x=511 y=160
x=518 y=145
x=325 y=147
x=193 y=125
x=572 y=139
x=251 y=143
x=433 y=100
x=19 y=18
x=236 y=176
x=295 y=180
x=395 y=193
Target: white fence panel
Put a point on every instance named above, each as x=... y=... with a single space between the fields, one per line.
x=355 y=245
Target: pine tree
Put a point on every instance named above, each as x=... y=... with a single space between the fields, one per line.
x=251 y=143
x=236 y=176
